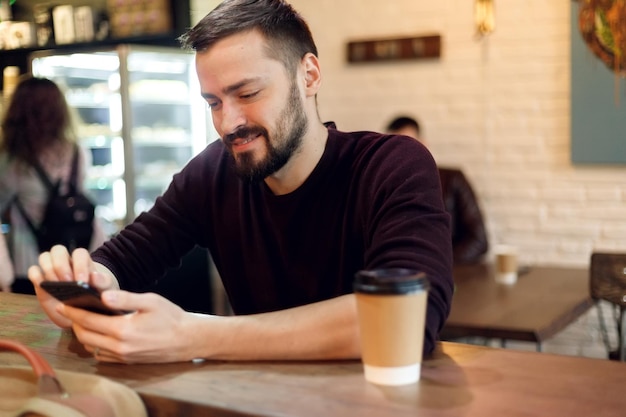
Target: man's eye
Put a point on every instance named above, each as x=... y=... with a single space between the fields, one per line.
x=250 y=95
x=212 y=104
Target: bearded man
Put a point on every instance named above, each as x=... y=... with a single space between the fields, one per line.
x=290 y=209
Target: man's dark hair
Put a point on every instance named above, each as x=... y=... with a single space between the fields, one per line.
x=287 y=34
x=402 y=122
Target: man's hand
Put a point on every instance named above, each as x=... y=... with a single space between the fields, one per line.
x=159 y=331
x=153 y=333
x=149 y=334
x=58 y=265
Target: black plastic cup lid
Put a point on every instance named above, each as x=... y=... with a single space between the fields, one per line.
x=390 y=281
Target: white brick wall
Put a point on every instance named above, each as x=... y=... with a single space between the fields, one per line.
x=497 y=107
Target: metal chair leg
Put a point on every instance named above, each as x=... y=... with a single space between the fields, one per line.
x=621 y=331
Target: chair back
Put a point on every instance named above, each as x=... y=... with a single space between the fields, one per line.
x=607 y=279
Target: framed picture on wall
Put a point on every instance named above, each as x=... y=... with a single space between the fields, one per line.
x=598 y=100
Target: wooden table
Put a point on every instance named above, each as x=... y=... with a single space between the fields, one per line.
x=460 y=380
x=541 y=303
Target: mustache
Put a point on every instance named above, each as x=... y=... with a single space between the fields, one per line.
x=244 y=132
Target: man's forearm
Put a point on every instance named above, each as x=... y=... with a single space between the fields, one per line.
x=323 y=330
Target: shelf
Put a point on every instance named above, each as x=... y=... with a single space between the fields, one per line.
x=181 y=21
x=83 y=104
x=76 y=97
x=159 y=184
x=20 y=56
x=159 y=102
x=96 y=135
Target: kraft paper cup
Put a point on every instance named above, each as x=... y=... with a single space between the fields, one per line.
x=506 y=264
x=391 y=305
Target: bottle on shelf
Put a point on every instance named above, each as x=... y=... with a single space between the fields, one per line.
x=10 y=78
x=5 y=11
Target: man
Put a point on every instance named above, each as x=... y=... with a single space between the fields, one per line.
x=469 y=237
x=289 y=208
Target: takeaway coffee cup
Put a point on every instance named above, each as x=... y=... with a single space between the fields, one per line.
x=506 y=264
x=391 y=305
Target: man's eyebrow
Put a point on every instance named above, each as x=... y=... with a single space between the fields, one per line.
x=232 y=88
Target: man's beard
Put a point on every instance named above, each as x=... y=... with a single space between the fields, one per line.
x=290 y=128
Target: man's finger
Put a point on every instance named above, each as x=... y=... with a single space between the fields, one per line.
x=56 y=264
x=128 y=301
x=101 y=281
x=35 y=275
x=81 y=264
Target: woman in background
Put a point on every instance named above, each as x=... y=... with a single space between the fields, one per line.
x=36 y=128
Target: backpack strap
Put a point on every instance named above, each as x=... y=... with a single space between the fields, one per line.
x=46 y=180
x=28 y=220
x=74 y=172
x=42 y=174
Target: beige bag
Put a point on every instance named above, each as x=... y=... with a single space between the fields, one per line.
x=39 y=390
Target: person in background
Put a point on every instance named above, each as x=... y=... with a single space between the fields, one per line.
x=469 y=237
x=289 y=207
x=36 y=125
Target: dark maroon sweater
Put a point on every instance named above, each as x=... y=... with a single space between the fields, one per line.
x=372 y=201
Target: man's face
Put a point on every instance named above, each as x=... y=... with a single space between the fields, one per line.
x=256 y=107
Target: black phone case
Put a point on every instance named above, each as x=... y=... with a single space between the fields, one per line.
x=79 y=294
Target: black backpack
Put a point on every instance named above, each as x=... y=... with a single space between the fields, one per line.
x=68 y=218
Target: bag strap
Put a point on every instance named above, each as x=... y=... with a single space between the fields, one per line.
x=74 y=172
x=52 y=398
x=29 y=221
x=42 y=174
x=46 y=180
x=47 y=380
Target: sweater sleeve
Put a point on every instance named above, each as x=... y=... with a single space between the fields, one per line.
x=158 y=239
x=407 y=224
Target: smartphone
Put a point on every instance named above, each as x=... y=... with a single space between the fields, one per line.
x=79 y=294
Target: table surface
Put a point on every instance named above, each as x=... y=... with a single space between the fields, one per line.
x=542 y=302
x=460 y=380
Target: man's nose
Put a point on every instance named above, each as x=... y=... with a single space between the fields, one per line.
x=232 y=118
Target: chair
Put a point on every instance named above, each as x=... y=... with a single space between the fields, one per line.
x=607 y=281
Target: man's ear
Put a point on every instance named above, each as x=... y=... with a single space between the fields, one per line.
x=312 y=74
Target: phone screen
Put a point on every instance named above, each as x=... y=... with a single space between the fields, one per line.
x=79 y=294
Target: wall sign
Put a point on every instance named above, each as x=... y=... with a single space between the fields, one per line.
x=390 y=49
